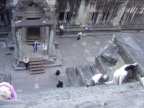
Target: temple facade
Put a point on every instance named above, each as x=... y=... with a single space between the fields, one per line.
x=35 y=19
x=87 y=12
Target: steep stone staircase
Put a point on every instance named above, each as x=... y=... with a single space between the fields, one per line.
x=99 y=96
x=36 y=65
x=32 y=39
x=4 y=31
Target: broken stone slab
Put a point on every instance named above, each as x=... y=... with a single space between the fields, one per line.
x=109 y=54
x=94 y=69
x=86 y=73
x=108 y=57
x=5 y=77
x=73 y=76
x=130 y=48
x=102 y=67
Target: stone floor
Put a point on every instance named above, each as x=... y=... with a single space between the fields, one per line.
x=74 y=53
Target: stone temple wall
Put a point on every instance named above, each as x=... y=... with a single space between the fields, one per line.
x=124 y=13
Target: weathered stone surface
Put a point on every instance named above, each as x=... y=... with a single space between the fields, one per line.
x=101 y=65
x=73 y=76
x=130 y=48
x=5 y=78
x=82 y=97
x=94 y=69
x=109 y=54
x=108 y=57
x=86 y=73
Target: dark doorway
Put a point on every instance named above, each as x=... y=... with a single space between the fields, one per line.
x=61 y=16
x=33 y=33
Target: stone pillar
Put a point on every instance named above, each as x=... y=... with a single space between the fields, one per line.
x=23 y=34
x=13 y=32
x=19 y=40
x=43 y=33
x=47 y=33
x=99 y=18
x=51 y=42
x=6 y=19
x=47 y=36
x=120 y=13
x=17 y=44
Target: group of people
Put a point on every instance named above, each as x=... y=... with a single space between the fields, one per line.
x=35 y=46
x=61 y=31
x=119 y=76
x=60 y=82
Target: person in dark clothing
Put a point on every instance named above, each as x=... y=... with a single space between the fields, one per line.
x=61 y=28
x=57 y=73
x=79 y=36
x=35 y=46
x=60 y=84
x=26 y=62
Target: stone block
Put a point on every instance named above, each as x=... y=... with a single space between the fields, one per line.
x=86 y=73
x=130 y=48
x=110 y=55
x=73 y=76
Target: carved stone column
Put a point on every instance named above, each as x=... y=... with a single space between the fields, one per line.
x=120 y=13
x=51 y=42
x=19 y=34
x=23 y=34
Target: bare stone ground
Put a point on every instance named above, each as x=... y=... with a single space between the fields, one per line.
x=42 y=86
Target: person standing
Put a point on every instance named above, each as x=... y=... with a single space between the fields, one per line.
x=26 y=62
x=44 y=48
x=59 y=84
x=35 y=46
x=61 y=29
x=79 y=35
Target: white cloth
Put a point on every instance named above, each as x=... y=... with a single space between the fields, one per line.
x=61 y=27
x=119 y=75
x=96 y=78
x=44 y=47
x=80 y=34
x=26 y=60
x=4 y=93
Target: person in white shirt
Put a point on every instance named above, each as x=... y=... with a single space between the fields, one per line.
x=26 y=62
x=35 y=45
x=44 y=48
x=97 y=79
x=120 y=74
x=79 y=35
x=61 y=29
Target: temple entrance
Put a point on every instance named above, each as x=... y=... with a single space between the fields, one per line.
x=33 y=33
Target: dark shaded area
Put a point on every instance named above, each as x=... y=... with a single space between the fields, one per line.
x=62 y=6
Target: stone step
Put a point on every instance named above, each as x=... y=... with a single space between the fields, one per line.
x=73 y=76
x=36 y=62
x=36 y=59
x=37 y=72
x=78 y=92
x=86 y=74
x=82 y=97
x=30 y=42
x=36 y=65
